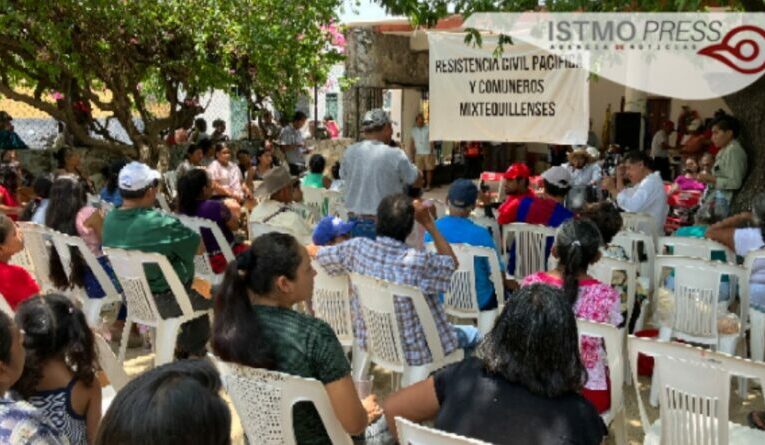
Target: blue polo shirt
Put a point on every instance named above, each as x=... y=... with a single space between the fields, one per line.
x=464 y=231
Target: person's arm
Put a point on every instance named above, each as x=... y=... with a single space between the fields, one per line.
x=326 y=182
x=417 y=403
x=93 y=413
x=723 y=232
x=423 y=216
x=347 y=405
x=408 y=172
x=336 y=260
x=96 y=223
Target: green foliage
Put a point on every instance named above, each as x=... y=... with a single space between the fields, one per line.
x=140 y=51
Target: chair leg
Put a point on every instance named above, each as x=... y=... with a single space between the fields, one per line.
x=164 y=345
x=619 y=425
x=756 y=345
x=665 y=334
x=486 y=321
x=92 y=309
x=124 y=341
x=360 y=362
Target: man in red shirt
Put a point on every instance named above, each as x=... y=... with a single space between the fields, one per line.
x=516 y=185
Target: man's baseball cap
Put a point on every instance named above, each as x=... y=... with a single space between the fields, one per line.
x=374 y=119
x=137 y=176
x=462 y=194
x=329 y=228
x=518 y=170
x=558 y=176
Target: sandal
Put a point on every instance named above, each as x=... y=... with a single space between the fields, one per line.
x=756 y=420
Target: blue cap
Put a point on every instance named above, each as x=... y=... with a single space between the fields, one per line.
x=462 y=194
x=329 y=228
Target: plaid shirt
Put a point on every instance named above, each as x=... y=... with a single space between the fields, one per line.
x=394 y=261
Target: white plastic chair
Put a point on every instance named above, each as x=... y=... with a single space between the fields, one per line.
x=113 y=370
x=384 y=338
x=492 y=226
x=410 y=433
x=129 y=268
x=5 y=307
x=530 y=244
x=696 y=295
x=462 y=301
x=331 y=302
x=316 y=200
x=164 y=204
x=202 y=265
x=613 y=338
x=171 y=183
x=37 y=244
x=631 y=242
x=693 y=247
x=264 y=401
x=695 y=394
x=23 y=259
x=64 y=244
x=639 y=222
x=604 y=270
x=756 y=318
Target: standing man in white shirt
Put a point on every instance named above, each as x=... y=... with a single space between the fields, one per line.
x=660 y=149
x=372 y=170
x=420 y=145
x=292 y=143
x=646 y=193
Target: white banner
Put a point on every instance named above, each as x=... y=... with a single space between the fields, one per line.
x=524 y=95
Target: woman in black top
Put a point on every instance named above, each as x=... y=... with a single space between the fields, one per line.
x=523 y=386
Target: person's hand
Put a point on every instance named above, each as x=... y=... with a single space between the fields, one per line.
x=373 y=409
x=422 y=213
x=705 y=178
x=620 y=171
x=609 y=184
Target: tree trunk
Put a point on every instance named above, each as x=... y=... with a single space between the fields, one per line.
x=748 y=105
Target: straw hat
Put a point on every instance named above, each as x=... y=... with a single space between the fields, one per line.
x=275 y=180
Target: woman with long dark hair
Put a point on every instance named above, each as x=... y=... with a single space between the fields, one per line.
x=68 y=161
x=527 y=368
x=254 y=325
x=577 y=246
x=194 y=192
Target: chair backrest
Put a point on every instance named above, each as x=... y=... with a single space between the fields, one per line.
x=309 y=214
x=335 y=205
x=604 y=270
x=202 y=264
x=23 y=259
x=384 y=338
x=613 y=339
x=171 y=183
x=315 y=199
x=5 y=307
x=129 y=265
x=410 y=433
x=332 y=303
x=37 y=244
x=259 y=228
x=110 y=365
x=635 y=244
x=264 y=401
x=462 y=300
x=695 y=387
x=164 y=204
x=693 y=247
x=696 y=294
x=530 y=243
x=492 y=226
x=65 y=244
x=639 y=222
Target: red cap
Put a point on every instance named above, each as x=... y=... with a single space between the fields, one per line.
x=518 y=170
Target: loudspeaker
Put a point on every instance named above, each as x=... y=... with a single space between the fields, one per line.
x=627 y=130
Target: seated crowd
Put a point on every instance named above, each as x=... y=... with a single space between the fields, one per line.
x=530 y=368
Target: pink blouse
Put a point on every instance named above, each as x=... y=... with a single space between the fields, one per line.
x=597 y=302
x=689 y=184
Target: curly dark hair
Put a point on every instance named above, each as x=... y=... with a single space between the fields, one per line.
x=54 y=328
x=535 y=343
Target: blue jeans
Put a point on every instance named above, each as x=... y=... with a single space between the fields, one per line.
x=365 y=228
x=468 y=337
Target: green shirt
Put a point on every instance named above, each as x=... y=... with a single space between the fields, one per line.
x=307 y=347
x=150 y=230
x=730 y=168
x=315 y=180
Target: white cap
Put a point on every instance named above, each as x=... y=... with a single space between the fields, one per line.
x=137 y=176
x=558 y=176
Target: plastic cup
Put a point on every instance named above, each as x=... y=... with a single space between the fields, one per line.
x=364 y=387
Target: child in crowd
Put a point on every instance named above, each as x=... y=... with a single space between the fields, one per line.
x=338 y=185
x=329 y=231
x=316 y=178
x=16 y=284
x=20 y=422
x=110 y=192
x=174 y=404
x=35 y=210
x=577 y=246
x=59 y=375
